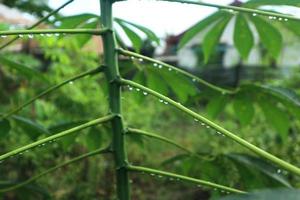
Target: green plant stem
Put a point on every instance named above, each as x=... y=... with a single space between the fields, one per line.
x=57 y=136
x=239 y=9
x=52 y=169
x=178 y=177
x=176 y=69
x=164 y=139
x=37 y=23
x=114 y=90
x=283 y=164
x=54 y=31
x=49 y=90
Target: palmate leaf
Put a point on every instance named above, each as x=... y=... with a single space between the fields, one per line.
x=198 y=27
x=270 y=36
x=244 y=108
x=134 y=38
x=243 y=37
x=213 y=36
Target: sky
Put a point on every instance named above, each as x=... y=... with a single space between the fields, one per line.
x=161 y=17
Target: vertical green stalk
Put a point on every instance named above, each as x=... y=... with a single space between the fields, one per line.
x=112 y=75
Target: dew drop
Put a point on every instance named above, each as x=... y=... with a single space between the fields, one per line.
x=254 y=14
x=160 y=66
x=199 y=185
x=132 y=57
x=280 y=19
x=286 y=19
x=3 y=36
x=278 y=171
x=161 y=101
x=171 y=179
x=207 y=126
x=49 y=35
x=166 y=103
x=42 y=34
x=196 y=120
x=155 y=64
x=145 y=93
x=71 y=82
x=130 y=88
x=57 y=34
x=30 y=36
x=20 y=35
x=170 y=69
x=202 y=124
x=274 y=17
x=141 y=59
x=194 y=80
x=152 y=174
x=160 y=176
x=137 y=89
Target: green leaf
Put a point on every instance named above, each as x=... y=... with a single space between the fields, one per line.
x=270 y=37
x=244 y=109
x=266 y=173
x=74 y=21
x=257 y=3
x=94 y=139
x=31 y=128
x=22 y=69
x=268 y=194
x=275 y=116
x=293 y=26
x=213 y=36
x=150 y=34
x=66 y=141
x=4 y=128
x=198 y=27
x=243 y=37
x=156 y=82
x=216 y=105
x=135 y=39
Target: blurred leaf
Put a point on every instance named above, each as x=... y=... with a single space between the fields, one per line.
x=198 y=27
x=216 y=105
x=136 y=138
x=268 y=194
x=213 y=36
x=135 y=39
x=22 y=69
x=4 y=128
x=31 y=128
x=270 y=37
x=150 y=34
x=156 y=82
x=243 y=37
x=83 y=39
x=265 y=173
x=94 y=139
x=140 y=78
x=243 y=107
x=276 y=117
x=181 y=86
x=74 y=21
x=66 y=141
x=4 y=26
x=257 y=3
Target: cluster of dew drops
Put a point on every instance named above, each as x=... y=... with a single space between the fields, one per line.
x=31 y=36
x=177 y=179
x=28 y=150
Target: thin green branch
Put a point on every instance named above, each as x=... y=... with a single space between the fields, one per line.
x=283 y=164
x=49 y=90
x=184 y=178
x=34 y=178
x=161 y=138
x=37 y=23
x=239 y=9
x=55 y=31
x=56 y=136
x=193 y=77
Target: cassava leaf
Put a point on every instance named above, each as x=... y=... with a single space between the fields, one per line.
x=269 y=36
x=243 y=107
x=213 y=36
x=198 y=27
x=243 y=37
